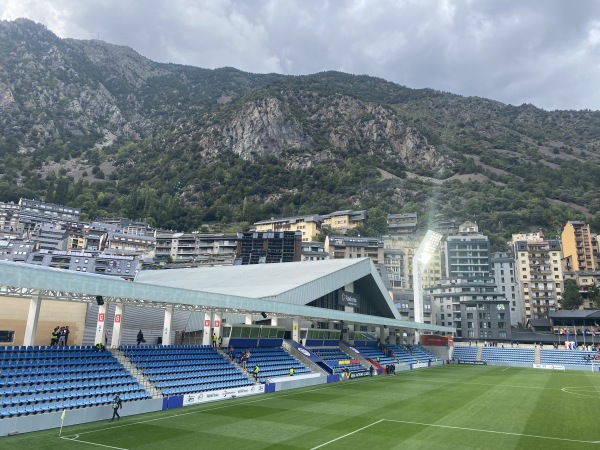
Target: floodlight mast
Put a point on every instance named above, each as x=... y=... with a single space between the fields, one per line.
x=420 y=260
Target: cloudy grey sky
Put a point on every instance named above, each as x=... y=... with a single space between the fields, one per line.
x=544 y=52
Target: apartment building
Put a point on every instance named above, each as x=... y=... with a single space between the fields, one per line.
x=539 y=273
x=473 y=306
x=309 y=226
x=35 y=212
x=345 y=247
x=401 y=260
x=9 y=216
x=401 y=224
x=268 y=247
x=104 y=264
x=16 y=249
x=468 y=253
x=342 y=221
x=504 y=272
x=578 y=247
x=314 y=251
x=200 y=247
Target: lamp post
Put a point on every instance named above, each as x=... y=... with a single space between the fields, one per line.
x=420 y=260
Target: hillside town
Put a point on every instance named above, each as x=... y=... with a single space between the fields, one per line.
x=485 y=295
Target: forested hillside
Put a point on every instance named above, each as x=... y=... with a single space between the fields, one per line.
x=98 y=126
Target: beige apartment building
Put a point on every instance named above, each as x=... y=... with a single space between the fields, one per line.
x=309 y=226
x=342 y=221
x=539 y=273
x=578 y=247
x=346 y=247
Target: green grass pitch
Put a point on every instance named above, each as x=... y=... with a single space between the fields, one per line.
x=444 y=407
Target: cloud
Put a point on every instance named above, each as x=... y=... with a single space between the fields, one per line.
x=543 y=52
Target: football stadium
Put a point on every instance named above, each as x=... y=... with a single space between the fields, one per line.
x=297 y=355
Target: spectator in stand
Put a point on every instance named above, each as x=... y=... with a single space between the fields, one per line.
x=66 y=333
x=244 y=360
x=54 y=337
x=61 y=337
x=140 y=337
x=182 y=337
x=231 y=352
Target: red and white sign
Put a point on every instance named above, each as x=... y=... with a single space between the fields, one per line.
x=117 y=318
x=101 y=317
x=206 y=323
x=217 y=323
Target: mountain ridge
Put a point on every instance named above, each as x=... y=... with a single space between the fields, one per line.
x=98 y=126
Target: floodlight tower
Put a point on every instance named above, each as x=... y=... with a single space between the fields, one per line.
x=420 y=260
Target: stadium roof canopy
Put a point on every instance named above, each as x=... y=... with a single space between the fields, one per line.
x=281 y=290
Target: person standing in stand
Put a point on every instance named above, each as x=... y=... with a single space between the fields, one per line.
x=54 y=337
x=140 y=337
x=66 y=333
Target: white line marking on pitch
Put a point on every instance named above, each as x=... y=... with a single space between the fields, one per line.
x=228 y=405
x=508 y=433
x=505 y=369
x=585 y=394
x=491 y=431
x=347 y=434
x=90 y=443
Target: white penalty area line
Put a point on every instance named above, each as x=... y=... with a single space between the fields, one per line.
x=477 y=430
x=75 y=439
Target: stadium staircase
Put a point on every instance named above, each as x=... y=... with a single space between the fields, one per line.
x=247 y=371
x=135 y=372
x=272 y=362
x=479 y=353
x=537 y=358
x=362 y=356
x=303 y=358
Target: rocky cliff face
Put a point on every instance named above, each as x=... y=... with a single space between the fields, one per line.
x=260 y=128
x=319 y=130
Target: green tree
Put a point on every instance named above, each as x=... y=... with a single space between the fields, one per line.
x=594 y=296
x=571 y=298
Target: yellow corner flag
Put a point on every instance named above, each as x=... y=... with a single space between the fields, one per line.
x=62 y=421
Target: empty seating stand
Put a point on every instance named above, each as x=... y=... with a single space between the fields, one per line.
x=510 y=355
x=272 y=362
x=182 y=369
x=374 y=353
x=332 y=357
x=411 y=354
x=39 y=379
x=464 y=353
x=567 y=357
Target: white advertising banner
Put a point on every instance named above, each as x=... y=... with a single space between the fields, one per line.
x=209 y=396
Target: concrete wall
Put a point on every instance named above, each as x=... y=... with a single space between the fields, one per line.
x=53 y=313
x=293 y=383
x=26 y=424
